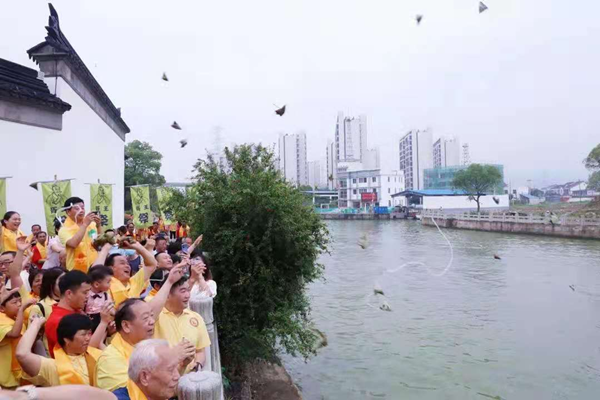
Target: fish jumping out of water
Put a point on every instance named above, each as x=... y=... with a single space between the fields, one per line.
x=364 y=241
x=378 y=290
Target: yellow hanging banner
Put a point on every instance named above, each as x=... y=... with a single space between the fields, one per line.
x=54 y=194
x=2 y=197
x=140 y=200
x=164 y=194
x=101 y=196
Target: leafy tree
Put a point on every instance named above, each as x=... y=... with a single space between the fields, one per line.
x=592 y=161
x=263 y=242
x=477 y=180
x=142 y=165
x=594 y=181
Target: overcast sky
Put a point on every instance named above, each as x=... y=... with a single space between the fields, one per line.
x=520 y=83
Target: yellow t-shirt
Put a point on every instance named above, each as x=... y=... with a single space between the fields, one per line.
x=9 y=239
x=10 y=370
x=134 y=287
x=49 y=375
x=173 y=328
x=111 y=368
x=81 y=257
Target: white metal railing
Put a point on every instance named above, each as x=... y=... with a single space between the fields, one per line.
x=512 y=217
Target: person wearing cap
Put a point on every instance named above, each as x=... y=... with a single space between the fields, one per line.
x=77 y=235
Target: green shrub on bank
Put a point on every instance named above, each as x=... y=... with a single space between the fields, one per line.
x=263 y=241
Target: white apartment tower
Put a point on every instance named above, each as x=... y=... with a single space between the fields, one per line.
x=446 y=152
x=350 y=138
x=292 y=158
x=315 y=175
x=415 y=150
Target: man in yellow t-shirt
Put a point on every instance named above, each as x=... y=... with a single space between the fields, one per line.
x=74 y=362
x=123 y=286
x=135 y=321
x=176 y=322
x=78 y=233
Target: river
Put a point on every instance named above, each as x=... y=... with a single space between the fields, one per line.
x=508 y=329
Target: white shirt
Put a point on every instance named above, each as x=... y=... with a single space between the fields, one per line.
x=196 y=291
x=52 y=257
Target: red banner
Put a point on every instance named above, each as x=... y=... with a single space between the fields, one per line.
x=368 y=197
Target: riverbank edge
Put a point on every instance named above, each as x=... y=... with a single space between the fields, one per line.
x=265 y=381
x=560 y=231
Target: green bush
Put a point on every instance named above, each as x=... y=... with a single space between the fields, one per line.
x=263 y=241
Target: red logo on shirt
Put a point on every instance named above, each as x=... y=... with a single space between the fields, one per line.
x=194 y=322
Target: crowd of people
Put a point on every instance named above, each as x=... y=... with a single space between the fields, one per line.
x=106 y=310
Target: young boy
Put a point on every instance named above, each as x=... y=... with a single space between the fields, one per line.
x=11 y=329
x=98 y=295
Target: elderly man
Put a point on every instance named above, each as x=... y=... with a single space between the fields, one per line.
x=153 y=371
x=135 y=322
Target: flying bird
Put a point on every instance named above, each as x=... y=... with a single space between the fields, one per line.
x=497 y=257
x=496 y=200
x=164 y=77
x=280 y=111
x=482 y=7
x=419 y=17
x=175 y=125
x=183 y=143
x=572 y=287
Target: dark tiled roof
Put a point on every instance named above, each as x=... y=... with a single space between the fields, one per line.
x=21 y=84
x=63 y=49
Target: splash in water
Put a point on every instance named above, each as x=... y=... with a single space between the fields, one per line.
x=415 y=264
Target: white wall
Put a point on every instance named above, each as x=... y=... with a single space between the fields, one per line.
x=422 y=156
x=391 y=184
x=463 y=203
x=86 y=149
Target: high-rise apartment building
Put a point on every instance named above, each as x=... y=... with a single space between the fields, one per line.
x=446 y=152
x=292 y=158
x=316 y=172
x=415 y=151
x=350 y=138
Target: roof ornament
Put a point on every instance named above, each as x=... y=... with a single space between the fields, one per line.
x=55 y=36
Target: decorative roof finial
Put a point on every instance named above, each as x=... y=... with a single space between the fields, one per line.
x=55 y=35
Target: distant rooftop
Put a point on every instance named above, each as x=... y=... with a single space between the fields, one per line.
x=20 y=84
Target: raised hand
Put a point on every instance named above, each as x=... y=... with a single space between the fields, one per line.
x=22 y=244
x=107 y=313
x=175 y=274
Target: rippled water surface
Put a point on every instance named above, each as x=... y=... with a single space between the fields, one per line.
x=511 y=328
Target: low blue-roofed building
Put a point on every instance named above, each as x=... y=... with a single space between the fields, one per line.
x=450 y=200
